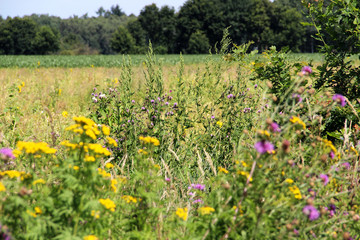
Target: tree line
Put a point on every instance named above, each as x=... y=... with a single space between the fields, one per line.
x=196 y=28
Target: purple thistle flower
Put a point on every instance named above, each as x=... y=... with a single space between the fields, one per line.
x=152 y=101
x=212 y=117
x=255 y=86
x=198 y=201
x=230 y=96
x=198 y=186
x=324 y=178
x=346 y=165
x=274 y=127
x=306 y=70
x=339 y=99
x=332 y=154
x=133 y=101
x=297 y=97
x=311 y=212
x=175 y=105
x=167 y=179
x=7 y=153
x=166 y=103
x=264 y=147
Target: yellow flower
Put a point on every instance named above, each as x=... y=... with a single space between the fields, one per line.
x=95 y=214
x=2 y=187
x=157 y=166
x=246 y=174
x=19 y=88
x=105 y=130
x=76 y=168
x=151 y=140
x=31 y=213
x=39 y=181
x=111 y=141
x=60 y=92
x=289 y=180
x=88 y=158
x=296 y=191
x=90 y=237
x=354 y=150
x=97 y=148
x=129 y=199
x=142 y=151
x=108 y=204
x=219 y=123
x=223 y=170
x=264 y=132
x=182 y=213
x=65 y=114
x=103 y=173
x=38 y=210
x=244 y=163
x=297 y=120
x=114 y=182
x=35 y=148
x=12 y=173
x=206 y=210
x=109 y=165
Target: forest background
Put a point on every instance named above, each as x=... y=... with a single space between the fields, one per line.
x=195 y=29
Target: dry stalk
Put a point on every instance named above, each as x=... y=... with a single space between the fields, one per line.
x=208 y=159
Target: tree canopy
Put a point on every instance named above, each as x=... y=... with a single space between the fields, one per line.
x=197 y=22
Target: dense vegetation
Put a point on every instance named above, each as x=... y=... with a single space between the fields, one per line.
x=234 y=148
x=196 y=28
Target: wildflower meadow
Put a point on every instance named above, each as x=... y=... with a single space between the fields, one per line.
x=244 y=145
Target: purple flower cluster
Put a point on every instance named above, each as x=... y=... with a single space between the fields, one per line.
x=297 y=97
x=311 y=212
x=274 y=127
x=264 y=147
x=324 y=178
x=246 y=110
x=197 y=186
x=340 y=99
x=6 y=153
x=306 y=70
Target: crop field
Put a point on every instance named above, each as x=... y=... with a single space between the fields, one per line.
x=109 y=61
x=176 y=147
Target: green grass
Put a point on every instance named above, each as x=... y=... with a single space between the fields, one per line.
x=116 y=60
x=90 y=60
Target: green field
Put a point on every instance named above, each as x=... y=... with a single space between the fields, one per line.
x=116 y=60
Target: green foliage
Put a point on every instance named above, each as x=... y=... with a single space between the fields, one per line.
x=275 y=68
x=198 y=43
x=46 y=41
x=338 y=28
x=122 y=42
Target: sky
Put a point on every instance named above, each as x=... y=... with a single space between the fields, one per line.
x=68 y=8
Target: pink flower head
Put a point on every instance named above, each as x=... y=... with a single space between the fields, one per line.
x=311 y=212
x=346 y=165
x=324 y=178
x=7 y=153
x=306 y=70
x=264 y=147
x=274 y=127
x=340 y=99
